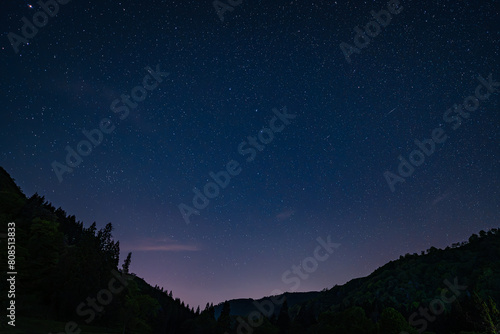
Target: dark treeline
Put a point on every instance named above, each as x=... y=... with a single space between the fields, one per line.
x=70 y=272
x=60 y=263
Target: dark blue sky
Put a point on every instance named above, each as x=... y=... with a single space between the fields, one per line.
x=320 y=175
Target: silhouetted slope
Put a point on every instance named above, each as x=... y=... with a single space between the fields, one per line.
x=11 y=197
x=61 y=263
x=411 y=282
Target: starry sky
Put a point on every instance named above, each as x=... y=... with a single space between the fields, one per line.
x=213 y=88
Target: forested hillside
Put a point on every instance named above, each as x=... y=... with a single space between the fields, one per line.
x=61 y=263
x=460 y=283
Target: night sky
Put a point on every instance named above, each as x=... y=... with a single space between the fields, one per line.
x=213 y=91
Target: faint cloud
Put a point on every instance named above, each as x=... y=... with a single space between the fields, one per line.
x=285 y=214
x=159 y=244
x=431 y=202
x=441 y=198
